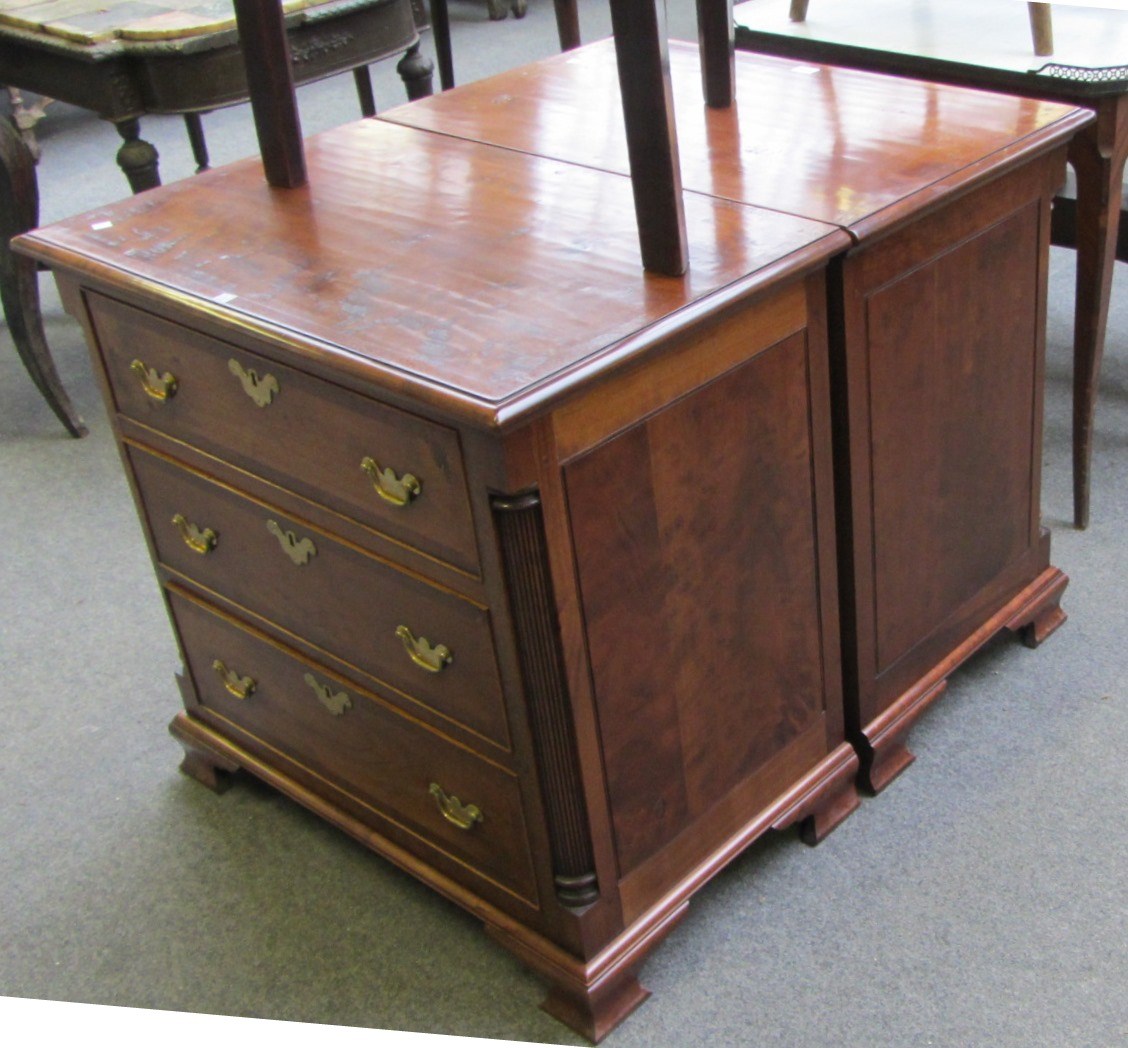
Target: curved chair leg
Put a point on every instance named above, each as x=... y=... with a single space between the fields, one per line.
x=1098 y=154
x=19 y=278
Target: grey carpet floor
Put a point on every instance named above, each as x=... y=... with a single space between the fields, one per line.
x=981 y=901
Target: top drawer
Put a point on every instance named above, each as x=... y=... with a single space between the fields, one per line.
x=385 y=468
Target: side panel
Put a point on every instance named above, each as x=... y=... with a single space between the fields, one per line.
x=696 y=544
x=938 y=395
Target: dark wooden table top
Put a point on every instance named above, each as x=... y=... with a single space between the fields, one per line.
x=842 y=146
x=480 y=277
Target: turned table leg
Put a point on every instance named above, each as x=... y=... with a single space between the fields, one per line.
x=19 y=278
x=136 y=157
x=1097 y=154
x=415 y=71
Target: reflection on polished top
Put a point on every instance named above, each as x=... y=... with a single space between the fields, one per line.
x=446 y=264
x=488 y=257
x=989 y=34
x=838 y=145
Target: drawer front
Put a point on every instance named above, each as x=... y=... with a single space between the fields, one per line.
x=386 y=468
x=440 y=795
x=426 y=643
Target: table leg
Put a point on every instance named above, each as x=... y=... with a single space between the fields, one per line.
x=440 y=31
x=567 y=24
x=363 y=81
x=1097 y=154
x=136 y=157
x=415 y=71
x=19 y=277
x=194 y=125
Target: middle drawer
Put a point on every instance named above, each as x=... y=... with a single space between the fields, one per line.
x=429 y=645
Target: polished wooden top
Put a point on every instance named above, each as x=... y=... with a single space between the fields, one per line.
x=480 y=277
x=989 y=40
x=842 y=146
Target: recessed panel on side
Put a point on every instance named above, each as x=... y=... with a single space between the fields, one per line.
x=695 y=542
x=952 y=378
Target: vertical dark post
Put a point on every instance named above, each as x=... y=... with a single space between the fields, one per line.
x=266 y=56
x=652 y=144
x=715 y=32
x=567 y=24
x=440 y=29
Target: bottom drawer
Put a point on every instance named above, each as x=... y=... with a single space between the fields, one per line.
x=435 y=792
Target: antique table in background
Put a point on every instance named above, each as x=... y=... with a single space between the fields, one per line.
x=130 y=58
x=177 y=57
x=988 y=45
x=526 y=565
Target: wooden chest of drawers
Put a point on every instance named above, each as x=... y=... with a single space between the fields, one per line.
x=532 y=590
x=520 y=564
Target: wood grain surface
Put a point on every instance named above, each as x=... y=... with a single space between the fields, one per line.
x=700 y=629
x=838 y=145
x=463 y=267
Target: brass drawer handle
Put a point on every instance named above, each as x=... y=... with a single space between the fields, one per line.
x=399 y=491
x=422 y=653
x=335 y=702
x=159 y=387
x=298 y=550
x=240 y=687
x=261 y=390
x=464 y=816
x=202 y=540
